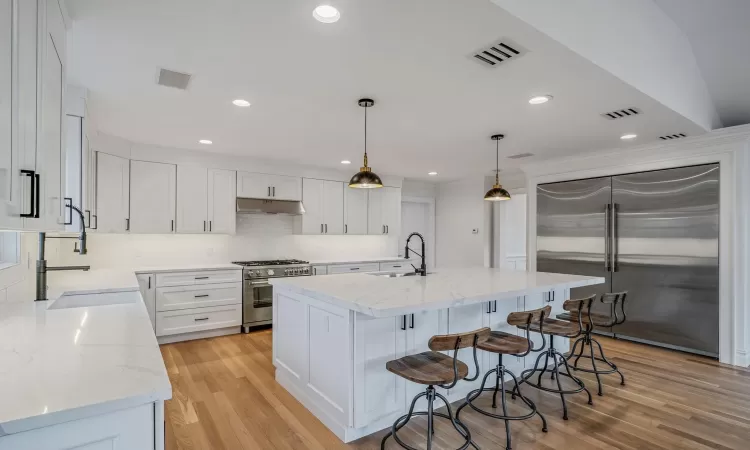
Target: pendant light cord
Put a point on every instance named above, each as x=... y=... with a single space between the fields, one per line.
x=366 y=136
x=497 y=162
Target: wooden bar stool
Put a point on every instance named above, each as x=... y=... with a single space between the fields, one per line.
x=560 y=328
x=436 y=369
x=591 y=320
x=509 y=344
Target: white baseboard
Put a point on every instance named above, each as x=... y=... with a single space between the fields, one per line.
x=197 y=335
x=742 y=358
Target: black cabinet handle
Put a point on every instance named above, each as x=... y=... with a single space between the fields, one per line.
x=210 y=225
x=204 y=226
x=88 y=215
x=96 y=221
x=494 y=306
x=30 y=174
x=202 y=318
x=346 y=229
x=68 y=204
x=202 y=278
x=38 y=191
x=274 y=191
x=269 y=191
x=411 y=325
x=489 y=307
x=403 y=323
x=149 y=282
x=201 y=296
x=127 y=224
x=354 y=268
x=172 y=225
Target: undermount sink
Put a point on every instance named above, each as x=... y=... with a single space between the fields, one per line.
x=396 y=274
x=82 y=300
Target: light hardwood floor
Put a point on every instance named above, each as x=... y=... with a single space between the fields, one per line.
x=225 y=397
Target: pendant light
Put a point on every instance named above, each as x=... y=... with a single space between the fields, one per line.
x=365 y=178
x=497 y=193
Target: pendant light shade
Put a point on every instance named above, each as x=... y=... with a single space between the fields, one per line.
x=365 y=178
x=497 y=193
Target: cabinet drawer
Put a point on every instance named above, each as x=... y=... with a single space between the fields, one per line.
x=396 y=267
x=353 y=268
x=198 y=296
x=200 y=277
x=199 y=319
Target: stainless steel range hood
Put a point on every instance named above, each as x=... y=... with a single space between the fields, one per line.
x=260 y=206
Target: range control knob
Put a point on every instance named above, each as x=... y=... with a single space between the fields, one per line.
x=306 y=270
x=270 y=272
x=286 y=271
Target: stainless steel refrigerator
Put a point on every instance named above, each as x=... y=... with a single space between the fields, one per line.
x=654 y=234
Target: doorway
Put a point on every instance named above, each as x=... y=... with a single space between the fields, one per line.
x=418 y=215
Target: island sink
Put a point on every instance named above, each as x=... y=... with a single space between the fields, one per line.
x=333 y=335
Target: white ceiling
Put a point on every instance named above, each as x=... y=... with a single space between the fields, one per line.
x=435 y=106
x=719 y=32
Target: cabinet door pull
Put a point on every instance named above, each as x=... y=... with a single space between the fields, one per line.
x=38 y=191
x=149 y=282
x=127 y=224
x=386 y=229
x=68 y=201
x=204 y=226
x=383 y=230
x=88 y=215
x=321 y=228
x=354 y=268
x=346 y=229
x=326 y=228
x=411 y=324
x=96 y=222
x=210 y=225
x=274 y=191
x=171 y=227
x=30 y=174
x=269 y=191
x=396 y=267
x=202 y=278
x=489 y=307
x=403 y=323
x=201 y=296
x=202 y=318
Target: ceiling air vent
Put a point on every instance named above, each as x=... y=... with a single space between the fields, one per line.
x=621 y=113
x=520 y=156
x=672 y=136
x=496 y=54
x=173 y=79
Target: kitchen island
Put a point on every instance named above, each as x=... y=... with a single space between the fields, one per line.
x=334 y=334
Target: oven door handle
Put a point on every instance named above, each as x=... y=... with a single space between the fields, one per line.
x=259 y=283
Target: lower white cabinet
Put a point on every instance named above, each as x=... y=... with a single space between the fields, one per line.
x=198 y=296
x=134 y=428
x=396 y=267
x=198 y=277
x=147 y=285
x=353 y=268
x=198 y=319
x=320 y=270
x=152 y=197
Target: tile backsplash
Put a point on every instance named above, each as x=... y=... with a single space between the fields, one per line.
x=259 y=236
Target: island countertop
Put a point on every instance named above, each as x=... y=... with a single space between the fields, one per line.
x=380 y=296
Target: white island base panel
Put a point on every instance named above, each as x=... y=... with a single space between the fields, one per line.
x=332 y=359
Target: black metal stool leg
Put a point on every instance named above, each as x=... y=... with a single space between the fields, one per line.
x=583 y=347
x=430 y=429
x=605 y=360
x=575 y=346
x=559 y=388
x=569 y=374
x=397 y=426
x=503 y=402
x=527 y=401
x=593 y=365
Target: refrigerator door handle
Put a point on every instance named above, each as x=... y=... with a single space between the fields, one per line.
x=607 y=237
x=613 y=237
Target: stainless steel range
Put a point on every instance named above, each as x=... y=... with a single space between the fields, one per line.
x=257 y=293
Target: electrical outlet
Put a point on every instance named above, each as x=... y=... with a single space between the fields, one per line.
x=475 y=231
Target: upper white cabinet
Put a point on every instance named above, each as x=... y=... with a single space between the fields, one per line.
x=112 y=194
x=384 y=211
x=152 y=197
x=355 y=211
x=205 y=200
x=9 y=180
x=272 y=187
x=324 y=207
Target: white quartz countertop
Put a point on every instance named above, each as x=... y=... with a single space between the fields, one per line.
x=379 y=296
x=325 y=262
x=58 y=365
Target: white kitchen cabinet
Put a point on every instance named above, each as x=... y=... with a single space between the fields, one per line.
x=404 y=266
x=10 y=179
x=355 y=211
x=384 y=211
x=462 y=319
x=183 y=321
x=324 y=207
x=273 y=187
x=198 y=277
x=353 y=268
x=112 y=194
x=147 y=285
x=198 y=296
x=222 y=201
x=205 y=200
x=192 y=198
x=152 y=197
x=133 y=428
x=319 y=270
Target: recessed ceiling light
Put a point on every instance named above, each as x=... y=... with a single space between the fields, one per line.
x=326 y=14
x=346 y=162
x=205 y=141
x=432 y=174
x=538 y=100
x=625 y=137
x=240 y=102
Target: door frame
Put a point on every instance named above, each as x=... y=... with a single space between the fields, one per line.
x=430 y=202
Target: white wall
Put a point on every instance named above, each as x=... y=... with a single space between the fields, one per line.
x=460 y=208
x=258 y=237
x=17 y=281
x=414 y=188
x=634 y=40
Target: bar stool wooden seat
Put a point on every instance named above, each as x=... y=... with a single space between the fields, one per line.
x=436 y=369
x=508 y=344
x=616 y=300
x=562 y=328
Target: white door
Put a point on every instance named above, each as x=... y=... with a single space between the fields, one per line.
x=222 y=205
x=375 y=223
x=333 y=207
x=9 y=173
x=192 y=198
x=152 y=197
x=285 y=188
x=355 y=211
x=312 y=198
x=416 y=218
x=112 y=193
x=253 y=185
x=51 y=134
